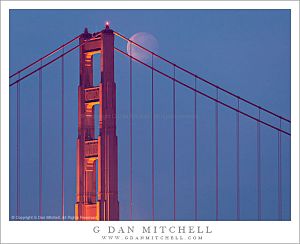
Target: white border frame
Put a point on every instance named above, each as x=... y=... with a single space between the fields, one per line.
x=82 y=232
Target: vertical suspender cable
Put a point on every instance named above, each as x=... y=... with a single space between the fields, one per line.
x=18 y=148
x=62 y=137
x=174 y=143
x=40 y=140
x=279 y=176
x=130 y=136
x=217 y=154
x=152 y=134
x=195 y=152
x=258 y=170
x=238 y=161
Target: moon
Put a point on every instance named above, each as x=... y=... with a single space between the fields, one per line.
x=146 y=40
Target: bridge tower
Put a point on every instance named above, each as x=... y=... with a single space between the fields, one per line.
x=93 y=203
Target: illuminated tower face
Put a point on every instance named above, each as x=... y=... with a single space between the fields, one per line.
x=93 y=203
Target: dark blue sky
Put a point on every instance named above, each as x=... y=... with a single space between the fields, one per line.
x=244 y=51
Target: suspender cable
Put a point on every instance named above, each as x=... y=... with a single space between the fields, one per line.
x=195 y=152
x=279 y=176
x=130 y=136
x=62 y=137
x=217 y=155
x=238 y=161
x=18 y=149
x=258 y=170
x=40 y=141
x=174 y=142
x=152 y=127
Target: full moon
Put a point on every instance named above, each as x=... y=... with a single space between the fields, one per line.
x=146 y=40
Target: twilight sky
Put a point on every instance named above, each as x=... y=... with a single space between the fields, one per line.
x=244 y=51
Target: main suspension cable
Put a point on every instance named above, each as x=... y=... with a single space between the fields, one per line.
x=208 y=96
x=46 y=56
x=200 y=78
x=45 y=65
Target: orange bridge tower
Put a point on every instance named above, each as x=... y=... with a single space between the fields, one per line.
x=97 y=203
